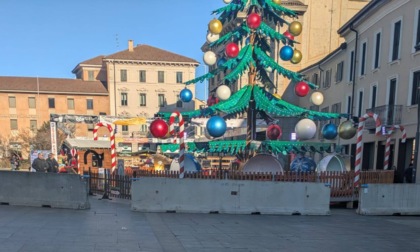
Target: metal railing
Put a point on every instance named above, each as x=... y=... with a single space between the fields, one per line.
x=389 y=115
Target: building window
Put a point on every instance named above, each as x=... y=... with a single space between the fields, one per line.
x=315 y=78
x=377 y=51
x=178 y=102
x=142 y=100
x=33 y=125
x=178 y=77
x=32 y=102
x=363 y=59
x=123 y=73
x=396 y=41
x=360 y=107
x=349 y=105
x=392 y=91
x=161 y=76
x=89 y=104
x=91 y=76
x=12 y=102
x=142 y=76
x=417 y=44
x=339 y=74
x=13 y=124
x=124 y=99
x=351 y=66
x=327 y=80
x=70 y=103
x=124 y=128
x=51 y=103
x=373 y=98
x=161 y=98
x=144 y=128
x=336 y=108
x=416 y=85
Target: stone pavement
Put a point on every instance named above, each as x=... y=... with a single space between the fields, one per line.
x=110 y=226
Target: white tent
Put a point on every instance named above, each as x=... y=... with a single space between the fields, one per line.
x=333 y=162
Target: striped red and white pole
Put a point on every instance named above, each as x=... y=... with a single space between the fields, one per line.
x=181 y=158
x=388 y=143
x=359 y=143
x=112 y=140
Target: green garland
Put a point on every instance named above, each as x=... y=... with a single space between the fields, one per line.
x=244 y=58
x=280 y=9
x=270 y=32
x=202 y=78
x=237 y=34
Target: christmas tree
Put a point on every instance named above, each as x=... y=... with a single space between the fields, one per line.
x=247 y=50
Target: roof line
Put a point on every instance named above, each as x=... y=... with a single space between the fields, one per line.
x=342 y=47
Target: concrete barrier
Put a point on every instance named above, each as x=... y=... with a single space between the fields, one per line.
x=229 y=196
x=43 y=190
x=389 y=199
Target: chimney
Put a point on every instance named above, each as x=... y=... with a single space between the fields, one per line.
x=130 y=46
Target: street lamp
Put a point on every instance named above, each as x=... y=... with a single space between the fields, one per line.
x=416 y=147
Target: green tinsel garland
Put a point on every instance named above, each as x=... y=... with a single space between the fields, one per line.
x=202 y=78
x=268 y=31
x=245 y=57
x=282 y=10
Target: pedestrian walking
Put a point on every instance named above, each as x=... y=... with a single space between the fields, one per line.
x=14 y=162
x=408 y=174
x=52 y=163
x=40 y=164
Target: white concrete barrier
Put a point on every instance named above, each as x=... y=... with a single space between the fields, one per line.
x=389 y=199
x=229 y=196
x=43 y=190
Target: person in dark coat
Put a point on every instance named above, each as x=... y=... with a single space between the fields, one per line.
x=408 y=174
x=40 y=164
x=52 y=163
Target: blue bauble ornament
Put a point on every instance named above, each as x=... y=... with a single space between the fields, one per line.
x=220 y=62
x=302 y=164
x=216 y=126
x=186 y=95
x=286 y=53
x=329 y=131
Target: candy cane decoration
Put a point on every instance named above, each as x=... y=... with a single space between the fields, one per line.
x=112 y=139
x=174 y=115
x=388 y=143
x=359 y=144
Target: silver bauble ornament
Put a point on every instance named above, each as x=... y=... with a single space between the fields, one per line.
x=346 y=130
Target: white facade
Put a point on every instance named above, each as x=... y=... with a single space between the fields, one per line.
x=378 y=68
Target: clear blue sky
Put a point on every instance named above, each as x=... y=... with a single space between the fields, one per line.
x=48 y=38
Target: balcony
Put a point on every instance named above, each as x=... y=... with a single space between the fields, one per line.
x=389 y=115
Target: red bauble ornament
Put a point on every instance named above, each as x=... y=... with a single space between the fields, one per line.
x=253 y=20
x=288 y=35
x=159 y=128
x=232 y=50
x=301 y=89
x=212 y=101
x=273 y=132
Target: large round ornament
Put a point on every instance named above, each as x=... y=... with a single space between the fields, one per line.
x=288 y=35
x=227 y=1
x=329 y=131
x=286 y=53
x=215 y=26
x=301 y=89
x=297 y=57
x=216 y=126
x=273 y=132
x=253 y=20
x=295 y=28
x=212 y=37
x=220 y=62
x=209 y=58
x=186 y=95
x=346 y=130
x=159 y=128
x=277 y=2
x=232 y=50
x=317 y=98
x=223 y=92
x=305 y=129
x=302 y=164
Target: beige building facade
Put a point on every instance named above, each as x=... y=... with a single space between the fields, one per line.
x=377 y=69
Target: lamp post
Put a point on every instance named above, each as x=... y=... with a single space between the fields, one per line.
x=416 y=147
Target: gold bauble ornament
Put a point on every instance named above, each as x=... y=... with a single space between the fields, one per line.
x=277 y=96
x=297 y=56
x=215 y=26
x=277 y=2
x=346 y=130
x=295 y=28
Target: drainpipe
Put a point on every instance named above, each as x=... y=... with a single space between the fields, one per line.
x=354 y=69
x=115 y=91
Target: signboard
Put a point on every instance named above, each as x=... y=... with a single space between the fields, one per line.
x=53 y=129
x=74 y=119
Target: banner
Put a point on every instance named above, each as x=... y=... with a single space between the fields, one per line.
x=74 y=118
x=53 y=130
